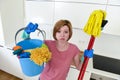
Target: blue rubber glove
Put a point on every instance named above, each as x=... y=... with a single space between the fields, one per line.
x=25 y=55
x=31 y=27
x=88 y=53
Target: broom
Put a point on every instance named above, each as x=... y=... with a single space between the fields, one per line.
x=93 y=27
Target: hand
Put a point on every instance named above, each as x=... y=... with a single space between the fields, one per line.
x=82 y=59
x=88 y=53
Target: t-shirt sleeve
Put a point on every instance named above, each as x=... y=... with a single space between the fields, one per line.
x=47 y=42
x=77 y=50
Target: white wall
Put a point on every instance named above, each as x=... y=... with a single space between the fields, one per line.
x=1 y=32
x=78 y=11
x=12 y=18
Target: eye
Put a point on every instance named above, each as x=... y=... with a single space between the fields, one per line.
x=58 y=31
x=66 y=31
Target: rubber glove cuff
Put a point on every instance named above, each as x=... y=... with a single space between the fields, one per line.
x=88 y=53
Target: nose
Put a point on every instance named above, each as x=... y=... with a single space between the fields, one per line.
x=62 y=34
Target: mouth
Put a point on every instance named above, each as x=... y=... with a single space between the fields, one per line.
x=62 y=38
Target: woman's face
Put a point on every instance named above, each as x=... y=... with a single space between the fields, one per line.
x=63 y=34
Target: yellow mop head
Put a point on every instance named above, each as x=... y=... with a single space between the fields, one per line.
x=93 y=26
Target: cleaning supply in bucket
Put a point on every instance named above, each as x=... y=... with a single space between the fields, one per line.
x=32 y=53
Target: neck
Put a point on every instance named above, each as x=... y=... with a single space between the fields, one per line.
x=62 y=46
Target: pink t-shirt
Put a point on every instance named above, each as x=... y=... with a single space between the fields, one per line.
x=57 y=68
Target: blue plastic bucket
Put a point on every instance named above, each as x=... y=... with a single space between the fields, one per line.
x=29 y=68
x=30 y=43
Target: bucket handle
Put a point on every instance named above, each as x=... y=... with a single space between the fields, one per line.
x=40 y=31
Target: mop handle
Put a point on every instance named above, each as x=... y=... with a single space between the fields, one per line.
x=83 y=69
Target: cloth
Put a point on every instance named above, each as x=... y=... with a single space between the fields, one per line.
x=57 y=68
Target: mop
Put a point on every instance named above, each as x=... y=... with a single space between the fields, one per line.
x=95 y=24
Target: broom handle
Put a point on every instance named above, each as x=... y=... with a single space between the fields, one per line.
x=83 y=69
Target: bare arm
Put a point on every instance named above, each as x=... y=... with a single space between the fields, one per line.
x=77 y=60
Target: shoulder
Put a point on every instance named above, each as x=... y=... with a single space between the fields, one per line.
x=73 y=48
x=73 y=45
x=49 y=42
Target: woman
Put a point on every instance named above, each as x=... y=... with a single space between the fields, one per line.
x=63 y=53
